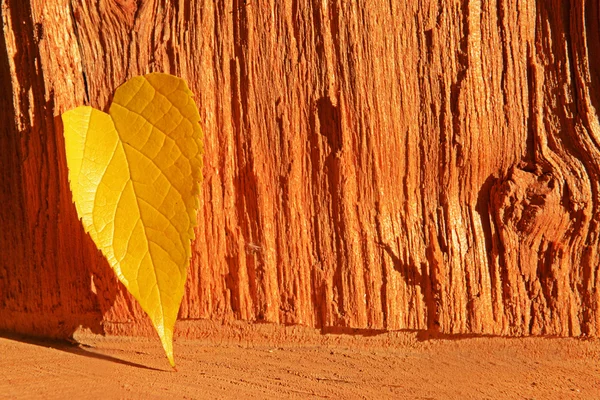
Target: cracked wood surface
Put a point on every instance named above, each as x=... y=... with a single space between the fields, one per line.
x=372 y=165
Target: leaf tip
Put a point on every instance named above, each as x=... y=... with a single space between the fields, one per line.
x=172 y=361
x=166 y=339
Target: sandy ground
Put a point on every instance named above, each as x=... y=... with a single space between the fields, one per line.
x=399 y=366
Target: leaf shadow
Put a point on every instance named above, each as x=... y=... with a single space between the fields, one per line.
x=75 y=348
x=52 y=277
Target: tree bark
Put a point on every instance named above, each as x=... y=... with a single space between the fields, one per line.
x=380 y=165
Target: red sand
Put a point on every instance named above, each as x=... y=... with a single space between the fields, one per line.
x=389 y=365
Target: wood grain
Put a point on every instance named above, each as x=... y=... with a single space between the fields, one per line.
x=377 y=165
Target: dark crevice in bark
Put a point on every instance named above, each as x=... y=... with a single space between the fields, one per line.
x=12 y=233
x=80 y=48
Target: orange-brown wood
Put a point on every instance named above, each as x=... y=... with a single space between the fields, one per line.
x=369 y=164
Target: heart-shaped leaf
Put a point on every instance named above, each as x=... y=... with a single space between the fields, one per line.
x=134 y=175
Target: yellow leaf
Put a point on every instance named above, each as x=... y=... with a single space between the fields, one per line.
x=134 y=175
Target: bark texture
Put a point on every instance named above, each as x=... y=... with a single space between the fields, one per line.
x=375 y=164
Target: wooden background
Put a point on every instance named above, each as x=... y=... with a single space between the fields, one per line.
x=379 y=165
